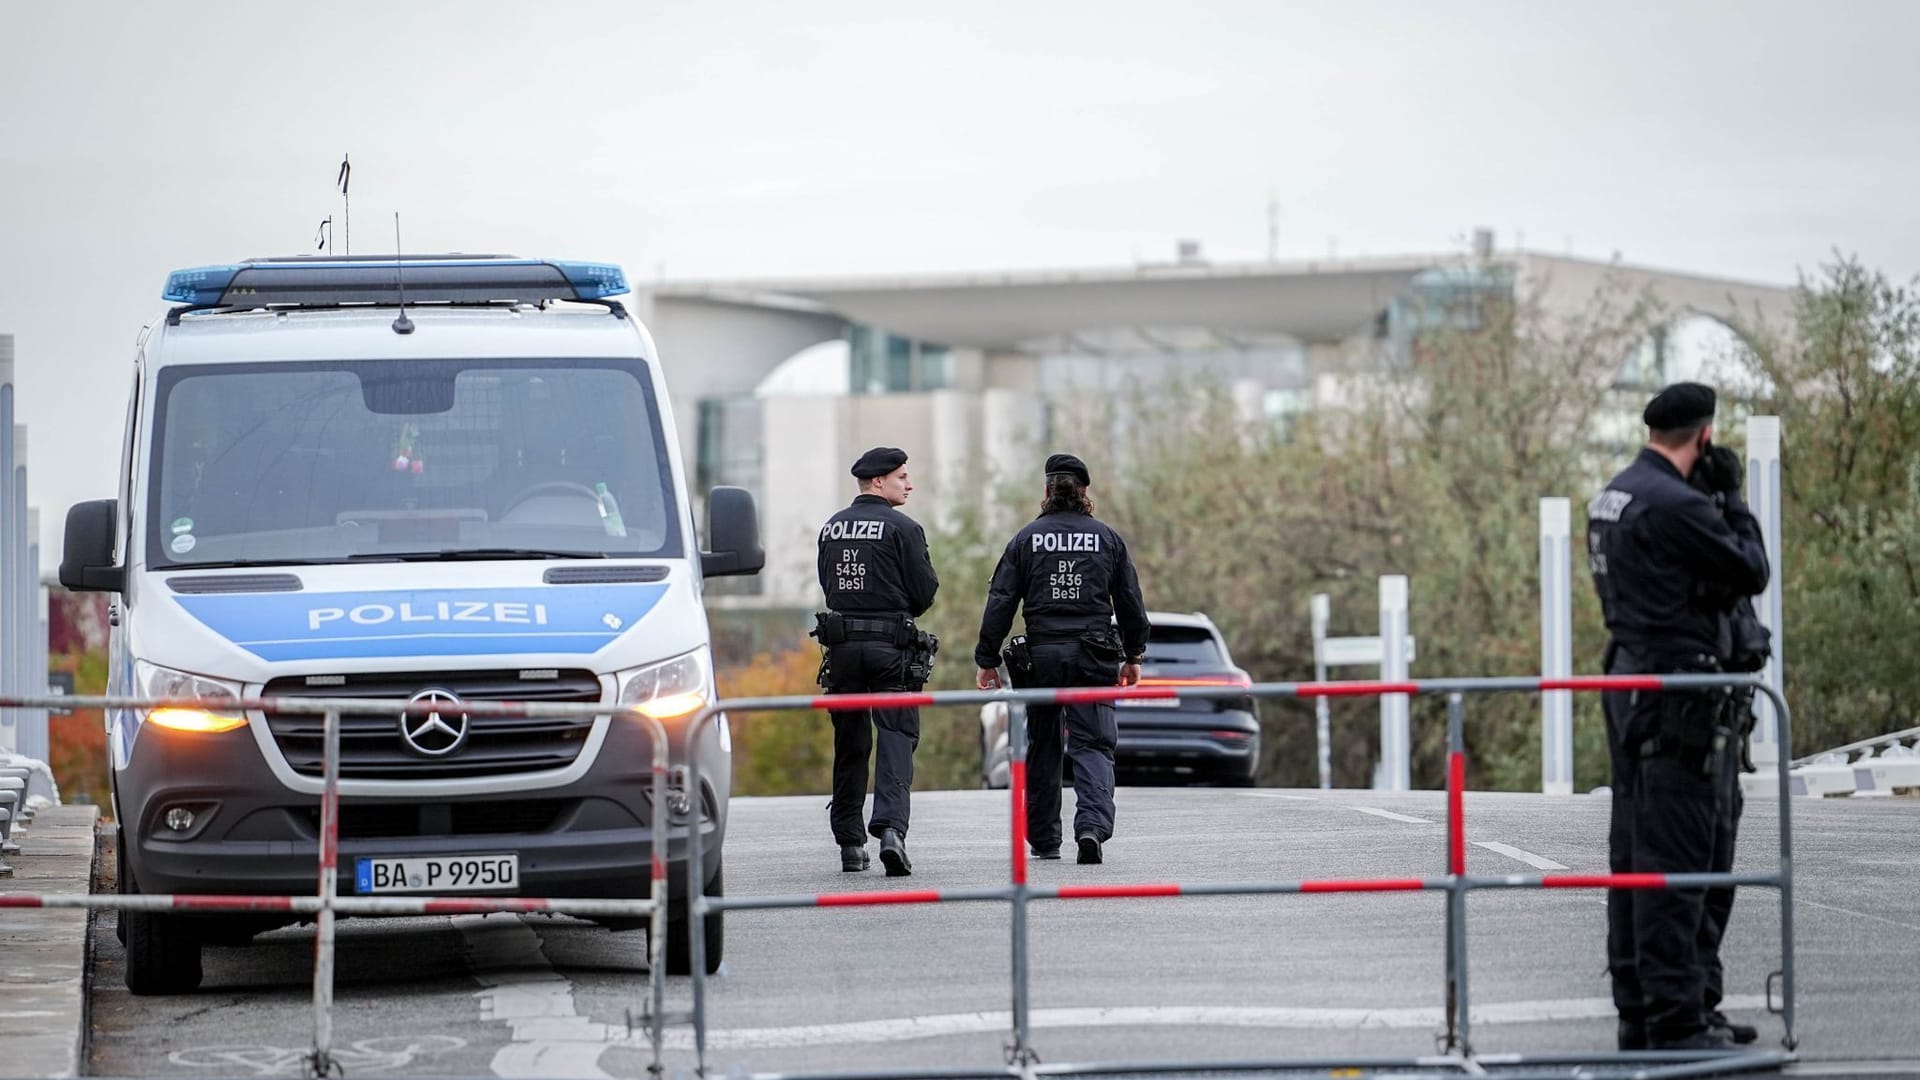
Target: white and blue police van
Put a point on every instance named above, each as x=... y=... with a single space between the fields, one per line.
x=471 y=494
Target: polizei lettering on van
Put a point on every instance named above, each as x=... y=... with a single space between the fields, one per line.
x=458 y=611
x=1078 y=541
x=854 y=530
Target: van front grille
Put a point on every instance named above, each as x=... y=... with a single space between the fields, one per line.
x=373 y=747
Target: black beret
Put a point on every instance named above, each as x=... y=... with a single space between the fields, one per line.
x=1680 y=406
x=879 y=461
x=1071 y=466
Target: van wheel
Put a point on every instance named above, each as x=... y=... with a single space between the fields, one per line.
x=163 y=953
x=680 y=937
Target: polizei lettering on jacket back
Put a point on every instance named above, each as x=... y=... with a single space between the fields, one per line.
x=854 y=530
x=1073 y=541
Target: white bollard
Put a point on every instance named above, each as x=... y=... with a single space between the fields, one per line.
x=1556 y=645
x=1396 y=763
x=1764 y=497
x=1321 y=610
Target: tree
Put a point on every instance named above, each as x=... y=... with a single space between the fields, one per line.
x=1845 y=381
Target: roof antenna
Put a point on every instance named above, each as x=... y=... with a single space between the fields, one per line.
x=323 y=236
x=342 y=181
x=401 y=325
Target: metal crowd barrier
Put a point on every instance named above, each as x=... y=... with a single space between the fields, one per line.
x=1022 y=1060
x=325 y=904
x=1460 y=1056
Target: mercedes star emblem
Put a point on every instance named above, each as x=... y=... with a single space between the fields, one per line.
x=435 y=724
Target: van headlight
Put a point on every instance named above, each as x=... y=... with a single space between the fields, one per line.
x=157 y=682
x=670 y=689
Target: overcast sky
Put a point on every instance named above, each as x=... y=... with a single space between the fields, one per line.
x=1744 y=139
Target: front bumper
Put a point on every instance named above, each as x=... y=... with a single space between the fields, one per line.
x=252 y=836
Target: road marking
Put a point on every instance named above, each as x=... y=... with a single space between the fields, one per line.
x=908 y=1028
x=1512 y=852
x=1277 y=795
x=1862 y=914
x=1391 y=816
x=550 y=1039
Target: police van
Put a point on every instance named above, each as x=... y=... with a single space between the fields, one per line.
x=471 y=494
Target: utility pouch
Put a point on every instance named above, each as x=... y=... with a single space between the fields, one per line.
x=1103 y=647
x=825 y=676
x=829 y=628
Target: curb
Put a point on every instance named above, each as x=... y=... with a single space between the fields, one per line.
x=43 y=951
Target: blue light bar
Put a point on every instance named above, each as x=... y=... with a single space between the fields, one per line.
x=328 y=282
x=594 y=281
x=201 y=285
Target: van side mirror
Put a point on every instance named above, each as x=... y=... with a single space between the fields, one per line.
x=86 y=557
x=733 y=532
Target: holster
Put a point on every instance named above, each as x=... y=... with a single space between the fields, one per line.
x=1019 y=657
x=829 y=628
x=920 y=658
x=1694 y=726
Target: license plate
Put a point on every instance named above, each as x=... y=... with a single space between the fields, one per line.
x=1148 y=703
x=437 y=874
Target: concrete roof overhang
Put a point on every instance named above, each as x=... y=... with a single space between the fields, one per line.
x=1317 y=301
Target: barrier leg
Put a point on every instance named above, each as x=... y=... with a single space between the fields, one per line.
x=696 y=904
x=657 y=892
x=321 y=1062
x=1459 y=1030
x=1020 y=1054
x=1783 y=733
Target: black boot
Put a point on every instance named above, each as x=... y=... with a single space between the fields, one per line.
x=1743 y=1034
x=893 y=854
x=1089 y=849
x=853 y=858
x=1632 y=1035
x=1699 y=1040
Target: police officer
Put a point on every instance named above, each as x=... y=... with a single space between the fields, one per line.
x=877 y=577
x=1072 y=575
x=1663 y=559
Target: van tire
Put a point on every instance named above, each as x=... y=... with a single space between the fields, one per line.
x=163 y=954
x=680 y=938
x=122 y=884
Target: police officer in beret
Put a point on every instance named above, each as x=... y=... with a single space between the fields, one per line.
x=1071 y=575
x=877 y=577
x=1664 y=559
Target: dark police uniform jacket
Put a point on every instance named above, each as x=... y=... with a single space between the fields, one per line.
x=1665 y=560
x=873 y=560
x=1071 y=574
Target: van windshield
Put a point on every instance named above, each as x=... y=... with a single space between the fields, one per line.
x=393 y=459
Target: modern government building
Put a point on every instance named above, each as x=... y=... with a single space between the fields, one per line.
x=779 y=385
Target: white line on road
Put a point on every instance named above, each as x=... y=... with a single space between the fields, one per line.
x=1391 y=816
x=1512 y=852
x=1862 y=914
x=549 y=1038
x=1277 y=795
x=980 y=1023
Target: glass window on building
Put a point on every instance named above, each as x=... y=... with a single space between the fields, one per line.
x=883 y=363
x=729 y=443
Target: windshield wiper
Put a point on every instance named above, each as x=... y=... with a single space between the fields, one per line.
x=246 y=564
x=476 y=554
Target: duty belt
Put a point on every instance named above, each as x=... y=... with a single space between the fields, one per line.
x=887 y=629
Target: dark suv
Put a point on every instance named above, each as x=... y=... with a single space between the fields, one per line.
x=1211 y=741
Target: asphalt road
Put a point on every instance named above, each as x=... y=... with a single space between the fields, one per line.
x=1197 y=978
